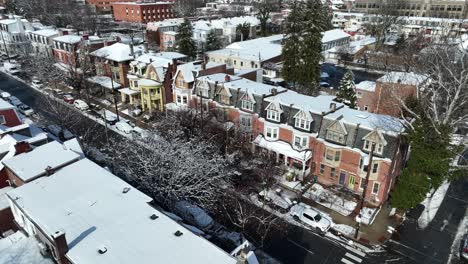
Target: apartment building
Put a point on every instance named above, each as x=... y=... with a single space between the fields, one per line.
x=314 y=137
x=14 y=36
x=418 y=8
x=42 y=41
x=142 y=12
x=105 y=6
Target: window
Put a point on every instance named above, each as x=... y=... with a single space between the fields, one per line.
x=182 y=99
x=366 y=108
x=322 y=168
x=272 y=132
x=363 y=184
x=332 y=172
x=205 y=90
x=378 y=149
x=273 y=115
x=246 y=122
x=335 y=136
x=300 y=142
x=332 y=155
x=375 y=188
x=247 y=105
x=2 y=119
x=224 y=99
x=302 y=123
x=375 y=168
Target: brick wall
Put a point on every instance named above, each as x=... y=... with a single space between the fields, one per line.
x=6 y=220
x=142 y=13
x=387 y=97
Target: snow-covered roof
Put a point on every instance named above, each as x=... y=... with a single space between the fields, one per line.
x=313 y=104
x=3 y=199
x=148 y=82
x=91 y=207
x=117 y=52
x=20 y=249
x=190 y=70
x=283 y=148
x=30 y=165
x=70 y=39
x=48 y=32
x=366 y=86
x=104 y=81
x=251 y=87
x=218 y=77
x=334 y=34
x=4 y=105
x=407 y=78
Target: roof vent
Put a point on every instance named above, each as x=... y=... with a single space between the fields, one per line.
x=154 y=217
x=102 y=250
x=126 y=190
x=178 y=233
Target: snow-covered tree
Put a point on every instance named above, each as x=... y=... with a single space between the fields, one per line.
x=347 y=90
x=185 y=43
x=213 y=41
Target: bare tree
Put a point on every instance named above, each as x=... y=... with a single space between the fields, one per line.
x=186 y=8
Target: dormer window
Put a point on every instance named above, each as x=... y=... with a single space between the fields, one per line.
x=274 y=112
x=302 y=120
x=247 y=102
x=224 y=96
x=336 y=132
x=377 y=138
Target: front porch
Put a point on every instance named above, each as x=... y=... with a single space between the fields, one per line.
x=296 y=161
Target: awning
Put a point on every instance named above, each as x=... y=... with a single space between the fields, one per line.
x=284 y=148
x=104 y=81
x=128 y=91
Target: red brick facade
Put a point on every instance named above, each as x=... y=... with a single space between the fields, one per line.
x=142 y=12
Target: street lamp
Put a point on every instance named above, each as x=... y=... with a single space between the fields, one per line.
x=113 y=91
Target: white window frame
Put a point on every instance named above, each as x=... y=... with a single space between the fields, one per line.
x=373 y=187
x=335 y=136
x=246 y=104
x=378 y=147
x=302 y=123
x=271 y=132
x=273 y=115
x=300 y=142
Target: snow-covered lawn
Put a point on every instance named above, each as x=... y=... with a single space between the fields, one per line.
x=19 y=249
x=368 y=215
x=432 y=204
x=330 y=200
x=345 y=229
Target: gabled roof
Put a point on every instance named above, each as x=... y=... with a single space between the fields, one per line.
x=30 y=165
x=339 y=125
x=376 y=133
x=90 y=205
x=304 y=115
x=117 y=52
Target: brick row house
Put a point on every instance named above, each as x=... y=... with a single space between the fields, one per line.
x=314 y=137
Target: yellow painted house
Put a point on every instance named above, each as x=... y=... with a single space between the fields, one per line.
x=152 y=90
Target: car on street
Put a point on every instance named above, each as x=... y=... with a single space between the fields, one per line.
x=139 y=132
x=325 y=85
x=14 y=101
x=36 y=83
x=59 y=132
x=464 y=247
x=275 y=198
x=12 y=68
x=81 y=105
x=109 y=117
x=123 y=126
x=5 y=95
x=68 y=98
x=193 y=215
x=311 y=217
x=25 y=110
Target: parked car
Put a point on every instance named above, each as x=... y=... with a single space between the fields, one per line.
x=109 y=117
x=5 y=95
x=464 y=247
x=80 y=104
x=325 y=85
x=14 y=101
x=136 y=112
x=12 y=68
x=25 y=110
x=276 y=199
x=62 y=133
x=124 y=127
x=36 y=83
x=311 y=217
x=193 y=215
x=68 y=98
x=139 y=132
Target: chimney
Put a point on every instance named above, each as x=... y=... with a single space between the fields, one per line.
x=60 y=245
x=227 y=78
x=64 y=32
x=274 y=91
x=22 y=147
x=49 y=170
x=85 y=37
x=333 y=107
x=203 y=66
x=145 y=46
x=151 y=60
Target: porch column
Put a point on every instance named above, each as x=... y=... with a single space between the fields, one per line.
x=131 y=99
x=122 y=96
x=277 y=157
x=286 y=161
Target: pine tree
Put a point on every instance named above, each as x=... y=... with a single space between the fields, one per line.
x=302 y=50
x=213 y=42
x=185 y=43
x=347 y=90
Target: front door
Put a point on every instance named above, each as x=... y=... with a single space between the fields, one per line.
x=342 y=177
x=351 y=182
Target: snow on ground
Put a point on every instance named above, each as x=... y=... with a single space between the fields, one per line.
x=3 y=199
x=368 y=215
x=19 y=249
x=330 y=200
x=432 y=204
x=345 y=229
x=462 y=230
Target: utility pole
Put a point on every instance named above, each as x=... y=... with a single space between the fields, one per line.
x=364 y=191
x=113 y=91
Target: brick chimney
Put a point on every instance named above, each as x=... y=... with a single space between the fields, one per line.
x=85 y=37
x=60 y=246
x=49 y=170
x=333 y=107
x=227 y=78
x=22 y=147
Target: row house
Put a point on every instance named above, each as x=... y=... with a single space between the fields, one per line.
x=156 y=30
x=384 y=95
x=315 y=137
x=14 y=35
x=42 y=41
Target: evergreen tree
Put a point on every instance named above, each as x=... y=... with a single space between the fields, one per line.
x=302 y=48
x=347 y=90
x=185 y=43
x=212 y=41
x=243 y=31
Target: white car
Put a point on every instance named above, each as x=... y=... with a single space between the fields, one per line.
x=124 y=127
x=36 y=83
x=80 y=104
x=5 y=95
x=25 y=110
x=12 y=68
x=311 y=217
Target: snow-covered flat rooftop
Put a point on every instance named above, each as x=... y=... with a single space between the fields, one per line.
x=314 y=104
x=30 y=165
x=20 y=249
x=70 y=39
x=407 y=78
x=95 y=209
x=366 y=86
x=251 y=87
x=118 y=52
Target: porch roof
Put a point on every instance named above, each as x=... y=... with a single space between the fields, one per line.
x=105 y=82
x=128 y=91
x=284 y=148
